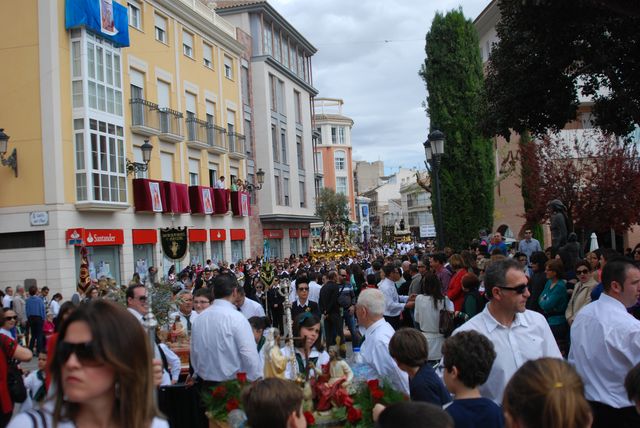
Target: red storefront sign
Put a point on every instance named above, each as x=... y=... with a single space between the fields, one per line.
x=294 y=233
x=197 y=235
x=304 y=233
x=218 y=235
x=238 y=234
x=273 y=233
x=144 y=236
x=94 y=237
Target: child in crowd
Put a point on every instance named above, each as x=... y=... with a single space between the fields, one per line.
x=408 y=347
x=274 y=403
x=546 y=393
x=411 y=413
x=34 y=382
x=467 y=359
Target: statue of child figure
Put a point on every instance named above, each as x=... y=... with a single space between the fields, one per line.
x=339 y=369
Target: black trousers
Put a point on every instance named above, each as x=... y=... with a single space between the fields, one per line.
x=605 y=416
x=37 y=338
x=333 y=328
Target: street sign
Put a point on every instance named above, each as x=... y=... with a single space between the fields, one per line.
x=427 y=231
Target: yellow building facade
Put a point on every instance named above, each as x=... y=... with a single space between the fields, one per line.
x=78 y=108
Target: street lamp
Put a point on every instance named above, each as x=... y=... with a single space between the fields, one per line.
x=434 y=149
x=12 y=160
x=133 y=167
x=260 y=175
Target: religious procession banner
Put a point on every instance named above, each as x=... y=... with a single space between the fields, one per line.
x=174 y=242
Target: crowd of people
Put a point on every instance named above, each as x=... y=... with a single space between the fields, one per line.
x=485 y=337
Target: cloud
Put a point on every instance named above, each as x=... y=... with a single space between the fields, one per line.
x=369 y=54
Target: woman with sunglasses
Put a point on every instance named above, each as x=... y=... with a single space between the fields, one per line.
x=582 y=293
x=101 y=372
x=9 y=324
x=9 y=350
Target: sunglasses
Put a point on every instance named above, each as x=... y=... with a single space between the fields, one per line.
x=519 y=289
x=582 y=271
x=142 y=298
x=201 y=302
x=303 y=289
x=15 y=317
x=84 y=352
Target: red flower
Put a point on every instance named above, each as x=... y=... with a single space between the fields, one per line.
x=242 y=377
x=309 y=417
x=232 y=404
x=354 y=415
x=377 y=394
x=219 y=392
x=373 y=384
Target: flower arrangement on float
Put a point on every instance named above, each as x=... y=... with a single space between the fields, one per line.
x=224 y=399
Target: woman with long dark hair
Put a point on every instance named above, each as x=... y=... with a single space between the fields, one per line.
x=427 y=313
x=102 y=373
x=308 y=344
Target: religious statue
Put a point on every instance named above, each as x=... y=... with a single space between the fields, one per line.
x=559 y=224
x=275 y=364
x=339 y=369
x=326 y=233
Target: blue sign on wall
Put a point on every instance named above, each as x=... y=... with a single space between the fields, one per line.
x=106 y=18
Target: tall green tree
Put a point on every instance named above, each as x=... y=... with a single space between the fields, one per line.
x=332 y=207
x=453 y=75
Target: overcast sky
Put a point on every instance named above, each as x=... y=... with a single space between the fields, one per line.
x=369 y=54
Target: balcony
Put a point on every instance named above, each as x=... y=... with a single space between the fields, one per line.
x=144 y=117
x=170 y=125
x=236 y=145
x=196 y=133
x=215 y=139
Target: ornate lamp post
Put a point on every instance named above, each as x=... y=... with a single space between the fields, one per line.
x=434 y=149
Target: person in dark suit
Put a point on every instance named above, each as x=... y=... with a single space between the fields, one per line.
x=302 y=303
x=330 y=308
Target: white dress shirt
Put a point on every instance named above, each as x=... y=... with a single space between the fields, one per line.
x=314 y=291
x=222 y=344
x=428 y=317
x=393 y=303
x=528 y=338
x=375 y=352
x=6 y=301
x=251 y=308
x=323 y=358
x=605 y=345
x=55 y=307
x=173 y=361
x=183 y=319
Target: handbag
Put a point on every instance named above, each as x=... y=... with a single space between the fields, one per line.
x=344 y=298
x=447 y=321
x=15 y=383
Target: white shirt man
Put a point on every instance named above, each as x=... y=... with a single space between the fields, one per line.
x=219 y=184
x=222 y=342
x=378 y=333
x=314 y=291
x=249 y=308
x=605 y=345
x=7 y=300
x=185 y=314
x=394 y=304
x=518 y=335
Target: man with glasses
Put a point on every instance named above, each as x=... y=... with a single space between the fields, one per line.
x=518 y=334
x=302 y=303
x=137 y=301
x=529 y=244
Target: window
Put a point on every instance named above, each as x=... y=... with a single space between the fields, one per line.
x=107 y=162
x=248 y=136
x=228 y=67
x=285 y=52
x=319 y=130
x=166 y=161
x=298 y=108
x=15 y=240
x=104 y=79
x=191 y=115
x=187 y=44
x=285 y=191
x=211 y=121
x=277 y=94
x=194 y=175
x=337 y=134
x=303 y=194
x=237 y=251
x=299 y=152
x=278 y=182
x=283 y=145
x=268 y=38
x=231 y=130
x=341 y=185
x=276 y=45
x=207 y=55
x=161 y=28
x=318 y=157
x=134 y=17
x=246 y=92
x=339 y=158
x=213 y=174
x=274 y=143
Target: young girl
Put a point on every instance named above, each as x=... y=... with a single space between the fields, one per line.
x=546 y=393
x=310 y=353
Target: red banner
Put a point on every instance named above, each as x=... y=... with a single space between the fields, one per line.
x=144 y=236
x=304 y=233
x=238 y=234
x=218 y=235
x=197 y=235
x=273 y=233
x=294 y=233
x=94 y=237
